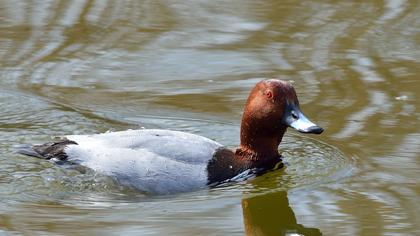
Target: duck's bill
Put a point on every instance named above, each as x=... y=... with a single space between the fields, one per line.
x=297 y=120
x=303 y=125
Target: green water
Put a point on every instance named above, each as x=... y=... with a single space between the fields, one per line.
x=81 y=67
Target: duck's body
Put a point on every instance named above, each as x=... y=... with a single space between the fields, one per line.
x=159 y=161
x=163 y=161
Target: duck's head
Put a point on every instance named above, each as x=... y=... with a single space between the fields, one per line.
x=272 y=106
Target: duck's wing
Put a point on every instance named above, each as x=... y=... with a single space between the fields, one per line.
x=174 y=145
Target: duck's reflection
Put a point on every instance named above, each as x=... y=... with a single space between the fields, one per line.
x=270 y=214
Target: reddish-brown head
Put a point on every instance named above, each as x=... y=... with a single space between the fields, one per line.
x=272 y=106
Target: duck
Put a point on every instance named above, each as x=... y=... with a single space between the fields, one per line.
x=165 y=161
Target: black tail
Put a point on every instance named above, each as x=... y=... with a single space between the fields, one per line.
x=47 y=150
x=26 y=149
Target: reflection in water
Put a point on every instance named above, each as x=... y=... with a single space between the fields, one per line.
x=271 y=214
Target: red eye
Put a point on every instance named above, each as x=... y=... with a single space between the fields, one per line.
x=268 y=94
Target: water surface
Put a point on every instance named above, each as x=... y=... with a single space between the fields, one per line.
x=80 y=67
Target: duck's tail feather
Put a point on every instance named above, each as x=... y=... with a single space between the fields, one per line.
x=27 y=150
x=47 y=150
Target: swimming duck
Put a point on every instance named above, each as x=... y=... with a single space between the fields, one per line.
x=164 y=161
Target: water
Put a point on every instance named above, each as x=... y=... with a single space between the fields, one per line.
x=91 y=66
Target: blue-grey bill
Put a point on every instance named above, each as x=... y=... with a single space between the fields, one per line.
x=303 y=125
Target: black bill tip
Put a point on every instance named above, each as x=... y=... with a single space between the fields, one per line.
x=314 y=130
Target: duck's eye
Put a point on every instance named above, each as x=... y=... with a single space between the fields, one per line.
x=294 y=115
x=268 y=94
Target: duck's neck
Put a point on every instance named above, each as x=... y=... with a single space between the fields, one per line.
x=259 y=145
